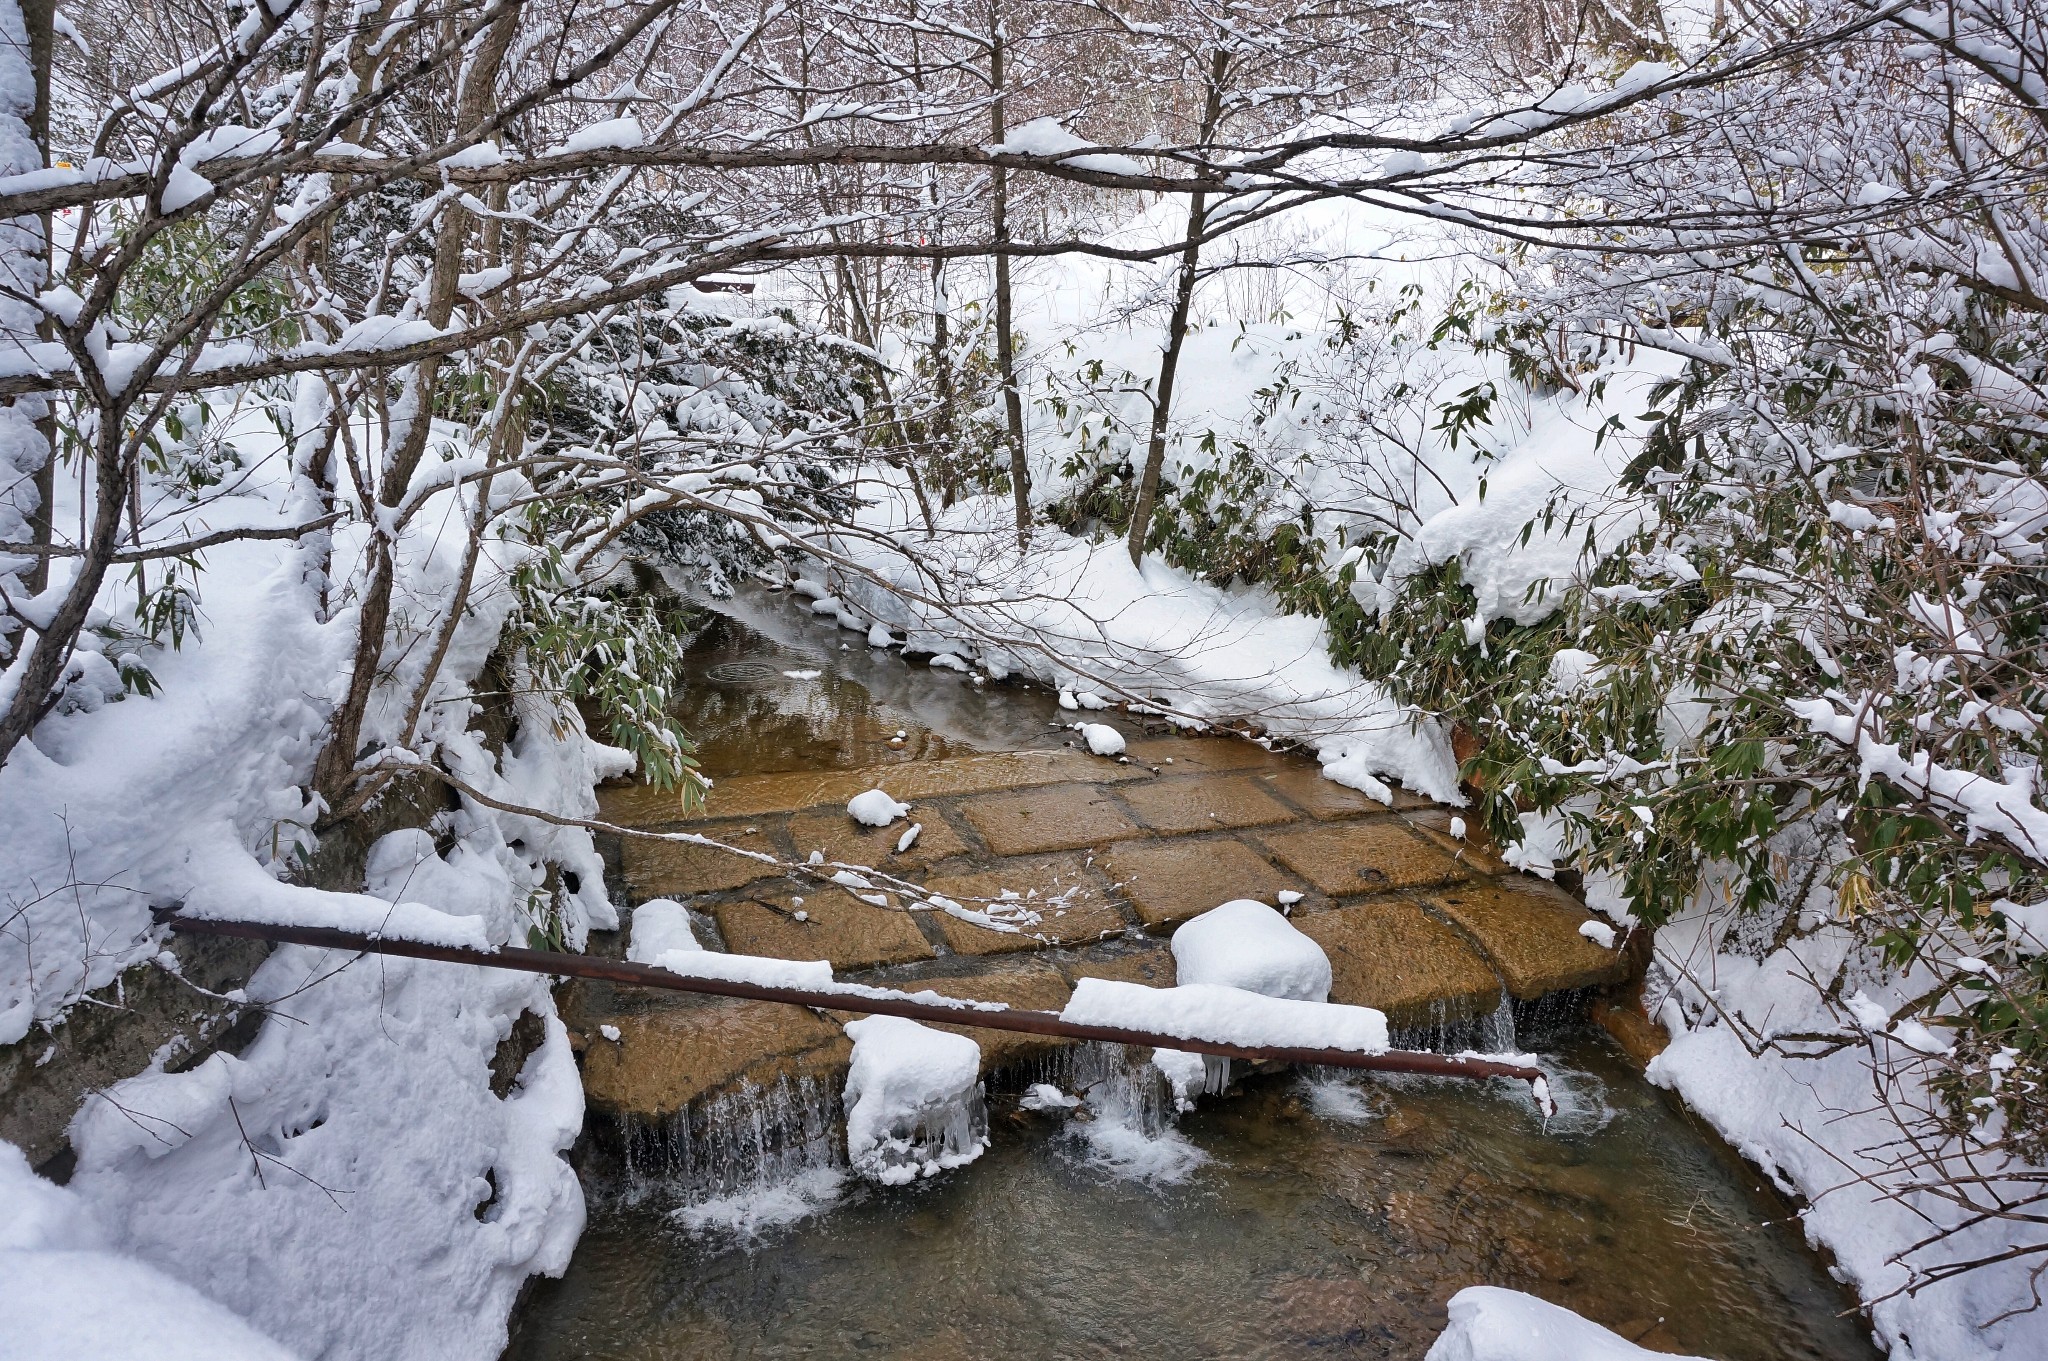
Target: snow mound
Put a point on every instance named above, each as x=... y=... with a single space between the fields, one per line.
x=63 y=1294
x=100 y=1304
x=875 y=808
x=660 y=925
x=1221 y=1015
x=1492 y=1324
x=1248 y=945
x=913 y=1100
x=1102 y=739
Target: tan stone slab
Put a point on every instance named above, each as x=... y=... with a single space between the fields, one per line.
x=1475 y=848
x=1392 y=955
x=1029 y=985
x=1203 y=803
x=908 y=781
x=1532 y=935
x=1307 y=790
x=668 y=869
x=838 y=926
x=1151 y=967
x=1362 y=857
x=844 y=840
x=1168 y=882
x=1071 y=899
x=1062 y=818
x=665 y=1059
x=1199 y=755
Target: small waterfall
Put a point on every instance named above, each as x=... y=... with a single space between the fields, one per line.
x=1125 y=1124
x=1493 y=1033
x=741 y=1160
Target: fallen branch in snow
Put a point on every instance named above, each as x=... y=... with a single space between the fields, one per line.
x=858 y=998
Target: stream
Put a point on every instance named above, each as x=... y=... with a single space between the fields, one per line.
x=1297 y=1215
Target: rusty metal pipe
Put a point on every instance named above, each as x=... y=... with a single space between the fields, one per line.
x=1027 y=1022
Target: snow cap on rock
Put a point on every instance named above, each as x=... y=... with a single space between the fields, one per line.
x=875 y=808
x=1102 y=739
x=660 y=925
x=1248 y=945
x=1489 y=1323
x=913 y=1100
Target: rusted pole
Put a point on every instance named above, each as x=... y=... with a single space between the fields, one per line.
x=875 y=1002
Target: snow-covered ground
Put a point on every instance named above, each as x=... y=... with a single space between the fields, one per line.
x=350 y=1184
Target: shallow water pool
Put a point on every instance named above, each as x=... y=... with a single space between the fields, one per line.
x=1289 y=1218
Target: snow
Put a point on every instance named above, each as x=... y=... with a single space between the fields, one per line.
x=660 y=926
x=610 y=134
x=185 y=186
x=65 y=1293
x=1045 y=137
x=1246 y=944
x=246 y=1167
x=814 y=975
x=1223 y=1015
x=913 y=1098
x=1600 y=933
x=1102 y=739
x=1044 y=1096
x=370 y=1123
x=1489 y=1323
x=1801 y=1119
x=875 y=808
x=909 y=837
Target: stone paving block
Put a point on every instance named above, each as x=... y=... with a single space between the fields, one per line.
x=1203 y=803
x=1198 y=755
x=1475 y=848
x=1392 y=955
x=844 y=840
x=665 y=1059
x=669 y=869
x=1062 y=818
x=1306 y=789
x=1532 y=935
x=908 y=781
x=636 y=804
x=1362 y=857
x=1168 y=882
x=839 y=927
x=1071 y=899
x=1029 y=985
x=1124 y=962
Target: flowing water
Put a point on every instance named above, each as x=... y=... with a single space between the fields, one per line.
x=1296 y=1215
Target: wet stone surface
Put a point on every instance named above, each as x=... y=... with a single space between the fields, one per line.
x=1048 y=851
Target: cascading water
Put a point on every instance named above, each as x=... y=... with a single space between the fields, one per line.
x=1493 y=1033
x=1125 y=1122
x=741 y=1160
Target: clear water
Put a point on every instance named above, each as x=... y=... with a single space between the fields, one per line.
x=1314 y=1218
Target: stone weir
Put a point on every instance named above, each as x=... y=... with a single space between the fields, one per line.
x=1113 y=856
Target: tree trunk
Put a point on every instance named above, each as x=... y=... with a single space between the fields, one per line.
x=40 y=18
x=1006 y=357
x=334 y=772
x=1147 y=497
